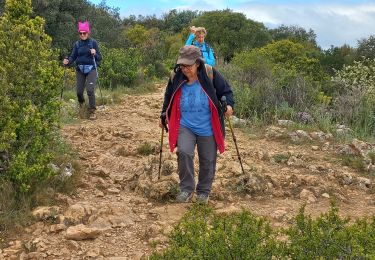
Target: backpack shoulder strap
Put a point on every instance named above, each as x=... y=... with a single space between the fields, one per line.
x=172 y=75
x=208 y=48
x=209 y=73
x=91 y=43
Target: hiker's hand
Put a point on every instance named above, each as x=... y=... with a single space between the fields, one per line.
x=229 y=111
x=65 y=62
x=93 y=51
x=192 y=29
x=163 y=121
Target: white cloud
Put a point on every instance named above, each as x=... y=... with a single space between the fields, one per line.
x=334 y=24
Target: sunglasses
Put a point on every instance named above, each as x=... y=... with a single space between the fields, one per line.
x=82 y=33
x=189 y=67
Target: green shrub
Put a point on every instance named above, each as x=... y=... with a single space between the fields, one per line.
x=275 y=81
x=146 y=149
x=30 y=80
x=353 y=103
x=203 y=234
x=330 y=237
x=119 y=66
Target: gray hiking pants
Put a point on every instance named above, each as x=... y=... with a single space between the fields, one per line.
x=207 y=161
x=87 y=81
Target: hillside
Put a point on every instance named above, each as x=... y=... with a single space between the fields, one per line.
x=121 y=209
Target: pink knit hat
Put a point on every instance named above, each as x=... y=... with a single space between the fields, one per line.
x=84 y=27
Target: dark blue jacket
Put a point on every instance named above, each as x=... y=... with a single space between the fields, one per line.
x=81 y=54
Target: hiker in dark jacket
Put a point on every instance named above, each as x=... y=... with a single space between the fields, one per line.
x=83 y=54
x=207 y=53
x=194 y=116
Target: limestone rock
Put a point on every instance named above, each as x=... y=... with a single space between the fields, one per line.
x=307 y=196
x=44 y=213
x=82 y=232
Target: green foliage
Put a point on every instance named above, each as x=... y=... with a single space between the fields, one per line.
x=356 y=162
x=294 y=33
x=335 y=58
x=150 y=43
x=203 y=234
x=175 y=21
x=146 y=149
x=119 y=66
x=61 y=18
x=230 y=32
x=30 y=80
x=330 y=237
x=277 y=80
x=366 y=48
x=294 y=57
x=354 y=102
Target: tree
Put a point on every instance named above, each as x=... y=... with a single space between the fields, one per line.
x=335 y=58
x=230 y=32
x=30 y=80
x=174 y=21
x=120 y=67
x=278 y=79
x=295 y=57
x=151 y=44
x=366 y=48
x=61 y=18
x=294 y=33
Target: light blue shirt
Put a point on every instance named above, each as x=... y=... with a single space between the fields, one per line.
x=207 y=55
x=195 y=110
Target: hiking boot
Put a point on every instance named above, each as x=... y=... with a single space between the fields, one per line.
x=183 y=197
x=202 y=198
x=81 y=111
x=92 y=114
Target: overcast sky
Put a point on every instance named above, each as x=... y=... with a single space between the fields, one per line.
x=334 y=22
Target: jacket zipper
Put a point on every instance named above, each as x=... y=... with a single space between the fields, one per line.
x=170 y=101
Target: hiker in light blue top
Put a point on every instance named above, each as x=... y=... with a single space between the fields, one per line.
x=195 y=109
x=207 y=52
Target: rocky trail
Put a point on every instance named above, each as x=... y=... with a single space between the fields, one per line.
x=121 y=210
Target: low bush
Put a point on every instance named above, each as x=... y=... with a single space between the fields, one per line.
x=203 y=234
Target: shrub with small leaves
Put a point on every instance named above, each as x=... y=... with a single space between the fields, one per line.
x=202 y=234
x=30 y=80
x=330 y=237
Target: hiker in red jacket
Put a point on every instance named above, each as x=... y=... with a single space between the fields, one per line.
x=195 y=117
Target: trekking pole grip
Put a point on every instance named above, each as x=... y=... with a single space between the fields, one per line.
x=224 y=103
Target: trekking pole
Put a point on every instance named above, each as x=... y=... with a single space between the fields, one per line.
x=161 y=151
x=97 y=79
x=224 y=104
x=63 y=86
x=161 y=146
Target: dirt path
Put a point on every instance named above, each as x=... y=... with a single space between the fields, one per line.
x=119 y=204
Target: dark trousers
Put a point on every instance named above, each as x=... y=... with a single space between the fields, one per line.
x=207 y=149
x=87 y=81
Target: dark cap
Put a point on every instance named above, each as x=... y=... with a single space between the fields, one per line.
x=188 y=55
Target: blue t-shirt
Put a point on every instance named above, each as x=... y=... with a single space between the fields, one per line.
x=195 y=110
